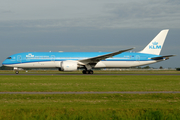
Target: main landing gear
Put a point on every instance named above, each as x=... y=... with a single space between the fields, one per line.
x=87 y=72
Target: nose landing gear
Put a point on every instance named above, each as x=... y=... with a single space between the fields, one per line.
x=17 y=72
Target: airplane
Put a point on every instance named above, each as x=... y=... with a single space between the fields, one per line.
x=71 y=61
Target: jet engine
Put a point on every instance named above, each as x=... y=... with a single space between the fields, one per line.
x=68 y=66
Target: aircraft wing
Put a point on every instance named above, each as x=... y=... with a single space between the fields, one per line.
x=162 y=57
x=102 y=57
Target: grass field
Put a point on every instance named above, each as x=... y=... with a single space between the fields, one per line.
x=89 y=83
x=90 y=106
x=93 y=106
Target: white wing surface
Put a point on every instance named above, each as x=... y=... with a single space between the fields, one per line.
x=102 y=57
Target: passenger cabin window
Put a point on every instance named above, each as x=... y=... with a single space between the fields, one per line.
x=9 y=58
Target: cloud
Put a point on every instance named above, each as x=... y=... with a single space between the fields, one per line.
x=145 y=14
x=5 y=11
x=100 y=14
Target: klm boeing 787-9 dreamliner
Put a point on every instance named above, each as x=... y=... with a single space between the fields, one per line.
x=71 y=61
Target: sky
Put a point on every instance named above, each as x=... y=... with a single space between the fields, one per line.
x=88 y=26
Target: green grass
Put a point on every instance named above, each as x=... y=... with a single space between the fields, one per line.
x=89 y=83
x=91 y=101
x=91 y=106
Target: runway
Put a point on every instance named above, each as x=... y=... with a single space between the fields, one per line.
x=48 y=74
x=148 y=92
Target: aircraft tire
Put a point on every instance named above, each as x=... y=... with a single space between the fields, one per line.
x=90 y=72
x=84 y=71
x=87 y=72
x=17 y=72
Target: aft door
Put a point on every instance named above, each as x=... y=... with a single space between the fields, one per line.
x=19 y=58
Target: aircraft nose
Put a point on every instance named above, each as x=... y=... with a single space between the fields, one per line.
x=4 y=63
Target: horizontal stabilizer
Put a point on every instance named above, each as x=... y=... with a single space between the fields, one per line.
x=162 y=57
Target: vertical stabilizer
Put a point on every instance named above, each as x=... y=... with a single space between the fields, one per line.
x=155 y=46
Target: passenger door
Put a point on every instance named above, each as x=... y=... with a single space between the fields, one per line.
x=19 y=58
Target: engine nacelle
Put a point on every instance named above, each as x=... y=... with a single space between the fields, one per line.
x=69 y=66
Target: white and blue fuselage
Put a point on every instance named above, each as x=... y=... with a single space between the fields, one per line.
x=54 y=59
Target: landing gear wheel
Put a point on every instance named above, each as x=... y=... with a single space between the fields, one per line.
x=87 y=72
x=17 y=72
x=90 y=72
x=84 y=71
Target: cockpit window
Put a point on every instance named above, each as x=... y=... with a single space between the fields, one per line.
x=9 y=58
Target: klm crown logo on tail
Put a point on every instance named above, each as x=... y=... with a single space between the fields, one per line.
x=155 y=45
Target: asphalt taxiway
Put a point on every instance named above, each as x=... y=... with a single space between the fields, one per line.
x=124 y=92
x=48 y=74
